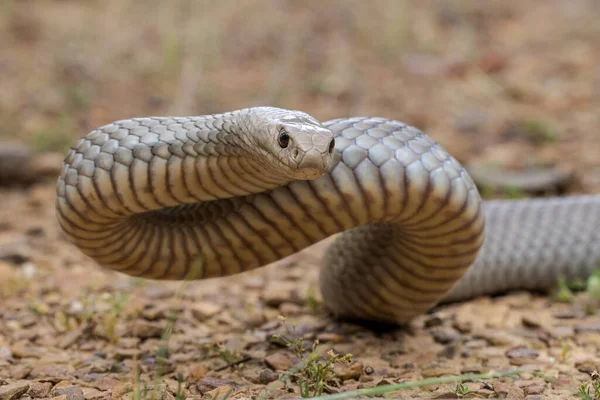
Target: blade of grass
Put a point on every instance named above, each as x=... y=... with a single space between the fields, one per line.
x=380 y=390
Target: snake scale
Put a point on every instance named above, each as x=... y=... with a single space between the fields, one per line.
x=214 y=195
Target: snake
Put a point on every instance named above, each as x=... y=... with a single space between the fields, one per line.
x=209 y=196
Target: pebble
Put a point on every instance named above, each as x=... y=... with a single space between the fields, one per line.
x=521 y=352
x=222 y=392
x=287 y=308
x=104 y=383
x=93 y=394
x=535 y=389
x=444 y=335
x=5 y=353
x=209 y=383
x=281 y=360
x=508 y=391
x=39 y=389
x=23 y=349
x=73 y=336
x=267 y=376
x=20 y=371
x=330 y=337
x=587 y=366
x=203 y=310
x=275 y=294
x=145 y=330
x=589 y=327
x=434 y=372
x=48 y=373
x=352 y=371
x=158 y=292
x=198 y=372
x=13 y=391
x=128 y=353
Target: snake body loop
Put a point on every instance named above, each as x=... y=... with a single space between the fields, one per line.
x=220 y=194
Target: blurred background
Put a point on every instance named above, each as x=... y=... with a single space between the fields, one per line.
x=510 y=88
x=498 y=83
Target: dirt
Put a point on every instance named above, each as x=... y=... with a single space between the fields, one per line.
x=514 y=85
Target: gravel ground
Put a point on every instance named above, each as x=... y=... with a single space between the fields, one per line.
x=509 y=85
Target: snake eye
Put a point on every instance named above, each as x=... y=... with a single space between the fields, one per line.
x=284 y=138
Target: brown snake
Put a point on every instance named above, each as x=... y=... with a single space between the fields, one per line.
x=215 y=195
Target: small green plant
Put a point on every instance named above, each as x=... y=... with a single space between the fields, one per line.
x=513 y=192
x=563 y=293
x=586 y=392
x=57 y=138
x=539 y=131
x=226 y=354
x=593 y=285
x=117 y=303
x=315 y=371
x=311 y=301
x=461 y=390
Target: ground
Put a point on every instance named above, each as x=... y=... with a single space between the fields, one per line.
x=508 y=85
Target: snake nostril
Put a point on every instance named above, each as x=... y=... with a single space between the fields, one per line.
x=331 y=145
x=296 y=153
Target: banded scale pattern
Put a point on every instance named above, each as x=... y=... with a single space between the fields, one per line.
x=163 y=198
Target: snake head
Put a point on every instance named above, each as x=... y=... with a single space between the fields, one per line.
x=295 y=142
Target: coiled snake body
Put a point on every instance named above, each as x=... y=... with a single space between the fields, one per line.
x=209 y=196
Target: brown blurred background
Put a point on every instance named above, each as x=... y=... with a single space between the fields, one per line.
x=508 y=83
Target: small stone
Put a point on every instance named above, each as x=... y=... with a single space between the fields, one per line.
x=39 y=389
x=290 y=309
x=495 y=338
x=508 y=391
x=281 y=361
x=23 y=349
x=444 y=335
x=5 y=353
x=521 y=352
x=203 y=310
x=330 y=337
x=352 y=371
x=160 y=393
x=127 y=353
x=570 y=313
x=20 y=371
x=433 y=321
x=155 y=312
x=535 y=397
x=72 y=392
x=145 y=330
x=561 y=332
x=122 y=388
x=105 y=383
x=209 y=383
x=590 y=327
x=531 y=321
x=198 y=372
x=13 y=391
x=276 y=294
x=267 y=376
x=222 y=392
x=93 y=394
x=587 y=366
x=71 y=337
x=434 y=372
x=535 y=389
x=48 y=373
x=158 y=292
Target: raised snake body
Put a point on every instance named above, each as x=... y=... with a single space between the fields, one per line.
x=209 y=196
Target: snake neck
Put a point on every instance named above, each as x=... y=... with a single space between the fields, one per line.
x=144 y=164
